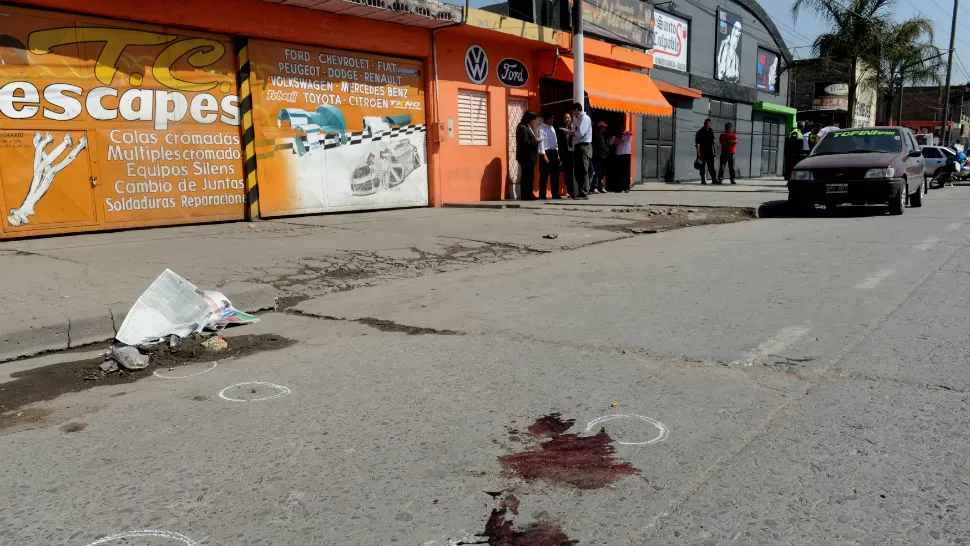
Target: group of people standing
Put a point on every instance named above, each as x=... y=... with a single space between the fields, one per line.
x=704 y=141
x=797 y=146
x=801 y=140
x=589 y=160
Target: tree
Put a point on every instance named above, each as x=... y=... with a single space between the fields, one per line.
x=856 y=27
x=904 y=55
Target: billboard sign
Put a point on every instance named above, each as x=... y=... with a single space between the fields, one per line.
x=727 y=65
x=670 y=41
x=337 y=130
x=626 y=21
x=767 y=75
x=831 y=96
x=104 y=125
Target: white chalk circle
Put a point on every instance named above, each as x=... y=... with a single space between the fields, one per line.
x=661 y=428
x=253 y=391
x=212 y=366
x=168 y=535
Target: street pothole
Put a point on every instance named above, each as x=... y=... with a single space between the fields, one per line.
x=49 y=382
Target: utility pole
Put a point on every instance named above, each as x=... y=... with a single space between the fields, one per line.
x=579 y=89
x=902 y=85
x=949 y=73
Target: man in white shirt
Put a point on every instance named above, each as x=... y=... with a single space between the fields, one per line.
x=826 y=130
x=582 y=135
x=549 y=163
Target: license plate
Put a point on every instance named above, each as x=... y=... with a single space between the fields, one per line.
x=836 y=188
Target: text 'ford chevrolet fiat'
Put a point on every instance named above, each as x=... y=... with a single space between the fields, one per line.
x=869 y=166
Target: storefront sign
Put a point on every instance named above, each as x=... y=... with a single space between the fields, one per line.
x=512 y=72
x=476 y=64
x=831 y=96
x=767 y=75
x=727 y=65
x=104 y=124
x=670 y=44
x=337 y=130
x=627 y=21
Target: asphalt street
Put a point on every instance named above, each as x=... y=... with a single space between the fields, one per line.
x=776 y=381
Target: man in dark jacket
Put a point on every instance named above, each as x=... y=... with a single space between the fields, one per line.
x=704 y=142
x=527 y=154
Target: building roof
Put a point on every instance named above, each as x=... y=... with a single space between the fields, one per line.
x=754 y=7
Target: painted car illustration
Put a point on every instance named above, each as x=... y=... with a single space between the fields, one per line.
x=326 y=122
x=386 y=169
x=377 y=127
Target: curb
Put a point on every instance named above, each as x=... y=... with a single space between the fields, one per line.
x=99 y=326
x=494 y=206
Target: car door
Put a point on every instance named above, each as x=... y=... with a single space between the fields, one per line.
x=933 y=159
x=914 y=165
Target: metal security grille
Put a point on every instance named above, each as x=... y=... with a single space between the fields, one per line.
x=722 y=113
x=658 y=148
x=472 y=118
x=517 y=109
x=771 y=136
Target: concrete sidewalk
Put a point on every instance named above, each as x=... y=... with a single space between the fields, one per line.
x=758 y=194
x=62 y=292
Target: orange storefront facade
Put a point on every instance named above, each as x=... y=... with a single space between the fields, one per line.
x=150 y=114
x=134 y=115
x=106 y=126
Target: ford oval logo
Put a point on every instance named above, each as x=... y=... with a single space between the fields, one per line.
x=512 y=72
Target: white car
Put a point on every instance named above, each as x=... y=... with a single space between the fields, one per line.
x=936 y=157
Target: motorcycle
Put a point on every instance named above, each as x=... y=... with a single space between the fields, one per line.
x=946 y=174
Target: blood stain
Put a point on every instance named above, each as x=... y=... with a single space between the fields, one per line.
x=500 y=531
x=568 y=459
x=551 y=425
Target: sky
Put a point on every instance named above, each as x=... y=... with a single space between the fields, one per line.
x=799 y=34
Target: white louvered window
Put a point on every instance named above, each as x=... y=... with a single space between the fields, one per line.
x=472 y=118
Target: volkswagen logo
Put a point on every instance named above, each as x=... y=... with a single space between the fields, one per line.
x=476 y=63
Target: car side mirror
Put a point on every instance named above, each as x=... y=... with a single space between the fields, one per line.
x=916 y=153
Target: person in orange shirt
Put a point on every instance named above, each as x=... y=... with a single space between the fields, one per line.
x=729 y=147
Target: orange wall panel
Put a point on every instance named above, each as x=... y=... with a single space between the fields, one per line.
x=478 y=173
x=259 y=19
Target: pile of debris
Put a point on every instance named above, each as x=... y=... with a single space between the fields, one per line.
x=169 y=316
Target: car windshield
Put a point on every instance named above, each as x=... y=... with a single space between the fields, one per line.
x=949 y=153
x=858 y=141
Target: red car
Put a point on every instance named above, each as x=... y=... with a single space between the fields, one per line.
x=868 y=166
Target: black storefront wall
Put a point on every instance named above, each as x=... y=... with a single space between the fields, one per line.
x=727 y=99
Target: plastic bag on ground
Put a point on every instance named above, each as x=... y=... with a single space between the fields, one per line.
x=129 y=357
x=173 y=306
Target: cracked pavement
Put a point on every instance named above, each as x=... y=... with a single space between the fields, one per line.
x=781 y=381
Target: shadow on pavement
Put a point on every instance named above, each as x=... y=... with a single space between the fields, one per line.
x=781 y=209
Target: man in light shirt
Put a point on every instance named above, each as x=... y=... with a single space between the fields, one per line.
x=826 y=130
x=548 y=157
x=582 y=135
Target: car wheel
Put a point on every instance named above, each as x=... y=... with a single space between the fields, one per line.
x=801 y=207
x=897 y=204
x=916 y=200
